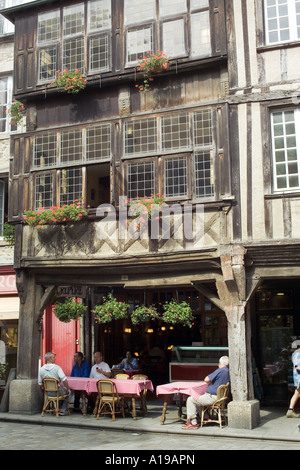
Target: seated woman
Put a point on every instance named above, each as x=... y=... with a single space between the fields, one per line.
x=129 y=362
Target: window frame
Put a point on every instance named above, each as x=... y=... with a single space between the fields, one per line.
x=292 y=24
x=276 y=189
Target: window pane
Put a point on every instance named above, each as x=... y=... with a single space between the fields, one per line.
x=279 y=20
x=175 y=177
x=174 y=38
x=172 y=7
x=73 y=20
x=197 y=4
x=200 y=32
x=98 y=143
x=45 y=150
x=285 y=149
x=3 y=104
x=175 y=132
x=204 y=174
x=47 y=63
x=71 y=146
x=140 y=179
x=70 y=185
x=48 y=27
x=202 y=128
x=73 y=54
x=99 y=53
x=99 y=15
x=139 y=42
x=138 y=11
x=141 y=136
x=44 y=191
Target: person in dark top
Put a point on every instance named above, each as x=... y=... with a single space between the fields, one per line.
x=80 y=369
x=219 y=377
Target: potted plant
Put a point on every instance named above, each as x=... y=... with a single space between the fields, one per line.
x=110 y=309
x=178 y=313
x=69 y=309
x=151 y=63
x=70 y=81
x=16 y=111
x=56 y=214
x=143 y=313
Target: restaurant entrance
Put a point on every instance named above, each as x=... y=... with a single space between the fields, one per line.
x=152 y=341
x=277 y=306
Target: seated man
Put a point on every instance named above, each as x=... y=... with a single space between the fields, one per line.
x=80 y=369
x=100 y=369
x=50 y=369
x=219 y=377
x=129 y=362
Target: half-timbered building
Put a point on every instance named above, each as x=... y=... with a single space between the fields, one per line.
x=217 y=134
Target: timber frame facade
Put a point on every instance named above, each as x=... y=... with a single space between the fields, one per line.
x=219 y=129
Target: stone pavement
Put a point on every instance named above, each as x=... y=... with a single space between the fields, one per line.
x=274 y=426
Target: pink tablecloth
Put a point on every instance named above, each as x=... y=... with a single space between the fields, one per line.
x=193 y=389
x=124 y=387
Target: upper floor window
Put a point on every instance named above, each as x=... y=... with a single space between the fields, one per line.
x=286 y=149
x=178 y=27
x=5 y=100
x=75 y=38
x=282 y=20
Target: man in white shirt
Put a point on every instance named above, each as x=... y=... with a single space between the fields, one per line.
x=50 y=369
x=100 y=369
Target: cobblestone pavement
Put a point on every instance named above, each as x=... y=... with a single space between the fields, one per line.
x=19 y=436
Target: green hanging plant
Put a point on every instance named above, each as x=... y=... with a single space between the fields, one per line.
x=8 y=233
x=110 y=309
x=143 y=313
x=178 y=313
x=70 y=309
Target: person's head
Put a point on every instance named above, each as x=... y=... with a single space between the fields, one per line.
x=50 y=358
x=98 y=357
x=224 y=361
x=129 y=354
x=295 y=344
x=78 y=357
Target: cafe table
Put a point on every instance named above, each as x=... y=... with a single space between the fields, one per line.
x=129 y=389
x=193 y=389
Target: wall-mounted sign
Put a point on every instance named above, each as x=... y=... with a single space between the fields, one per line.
x=71 y=291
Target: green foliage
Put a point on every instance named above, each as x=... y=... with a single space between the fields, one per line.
x=16 y=111
x=70 y=309
x=70 y=81
x=178 y=313
x=110 y=309
x=143 y=313
x=151 y=63
x=8 y=233
x=56 y=214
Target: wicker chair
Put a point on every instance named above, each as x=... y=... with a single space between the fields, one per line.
x=51 y=403
x=216 y=411
x=115 y=371
x=144 y=392
x=108 y=399
x=122 y=376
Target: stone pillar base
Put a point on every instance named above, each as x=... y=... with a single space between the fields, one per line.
x=25 y=396
x=243 y=414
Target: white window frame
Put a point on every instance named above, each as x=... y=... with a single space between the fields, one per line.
x=286 y=161
x=9 y=92
x=291 y=27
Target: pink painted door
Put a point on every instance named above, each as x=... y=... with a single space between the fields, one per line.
x=60 y=338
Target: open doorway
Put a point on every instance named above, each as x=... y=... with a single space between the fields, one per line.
x=98 y=184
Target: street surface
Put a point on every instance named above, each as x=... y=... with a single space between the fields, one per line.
x=16 y=436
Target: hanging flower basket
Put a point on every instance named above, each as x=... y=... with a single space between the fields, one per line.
x=144 y=208
x=70 y=81
x=110 y=309
x=69 y=309
x=56 y=214
x=178 y=313
x=143 y=313
x=151 y=63
x=16 y=112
